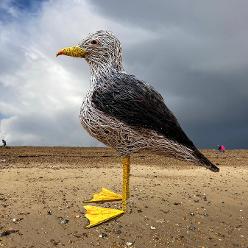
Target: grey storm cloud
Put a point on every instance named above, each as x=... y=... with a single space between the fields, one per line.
x=193 y=52
x=198 y=62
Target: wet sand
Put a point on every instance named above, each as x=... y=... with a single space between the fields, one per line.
x=172 y=203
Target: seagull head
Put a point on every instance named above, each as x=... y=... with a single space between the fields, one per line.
x=101 y=50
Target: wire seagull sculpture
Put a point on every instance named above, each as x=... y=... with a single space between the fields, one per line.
x=127 y=114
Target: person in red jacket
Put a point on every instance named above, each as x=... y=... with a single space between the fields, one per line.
x=222 y=148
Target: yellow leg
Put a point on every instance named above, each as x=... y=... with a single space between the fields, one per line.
x=98 y=215
x=125 y=185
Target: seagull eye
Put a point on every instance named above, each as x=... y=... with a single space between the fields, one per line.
x=94 y=42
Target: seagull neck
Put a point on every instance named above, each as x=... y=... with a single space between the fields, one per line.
x=103 y=71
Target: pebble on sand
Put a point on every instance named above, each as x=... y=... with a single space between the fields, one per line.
x=8 y=232
x=64 y=221
x=129 y=243
x=103 y=235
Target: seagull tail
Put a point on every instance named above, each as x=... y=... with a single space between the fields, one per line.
x=205 y=162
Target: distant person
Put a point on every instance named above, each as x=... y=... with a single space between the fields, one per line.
x=221 y=148
x=4 y=142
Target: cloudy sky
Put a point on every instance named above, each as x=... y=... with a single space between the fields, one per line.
x=194 y=52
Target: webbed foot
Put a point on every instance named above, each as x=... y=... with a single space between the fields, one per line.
x=98 y=215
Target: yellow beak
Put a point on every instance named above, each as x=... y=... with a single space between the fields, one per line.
x=74 y=51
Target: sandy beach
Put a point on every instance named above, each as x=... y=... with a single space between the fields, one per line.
x=172 y=203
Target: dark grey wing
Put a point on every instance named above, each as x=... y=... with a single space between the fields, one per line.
x=139 y=105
